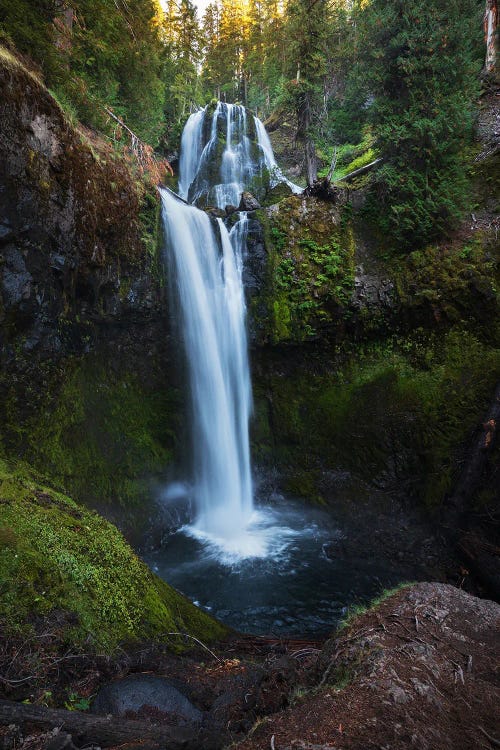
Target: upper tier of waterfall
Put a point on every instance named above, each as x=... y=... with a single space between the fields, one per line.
x=223 y=153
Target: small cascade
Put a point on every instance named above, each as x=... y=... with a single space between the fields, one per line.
x=223 y=153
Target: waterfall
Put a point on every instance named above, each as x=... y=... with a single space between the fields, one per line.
x=207 y=268
x=222 y=154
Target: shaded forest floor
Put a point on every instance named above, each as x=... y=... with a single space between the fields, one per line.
x=419 y=669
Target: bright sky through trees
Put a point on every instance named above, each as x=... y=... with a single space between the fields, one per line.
x=200 y=4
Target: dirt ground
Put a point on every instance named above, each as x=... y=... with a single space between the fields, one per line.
x=420 y=670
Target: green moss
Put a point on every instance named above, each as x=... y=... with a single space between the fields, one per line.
x=395 y=414
x=450 y=283
x=150 y=228
x=310 y=270
x=104 y=434
x=57 y=555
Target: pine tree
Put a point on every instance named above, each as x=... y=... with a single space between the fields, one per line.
x=307 y=25
x=420 y=62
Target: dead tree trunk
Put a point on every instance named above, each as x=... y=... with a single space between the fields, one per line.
x=86 y=729
x=304 y=119
x=490 y=35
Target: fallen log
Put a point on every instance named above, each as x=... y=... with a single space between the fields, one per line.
x=360 y=171
x=109 y=731
x=327 y=190
x=172 y=192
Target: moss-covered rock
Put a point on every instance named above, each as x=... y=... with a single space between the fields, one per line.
x=395 y=414
x=310 y=270
x=448 y=284
x=56 y=555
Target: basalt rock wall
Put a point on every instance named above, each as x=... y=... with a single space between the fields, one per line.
x=84 y=340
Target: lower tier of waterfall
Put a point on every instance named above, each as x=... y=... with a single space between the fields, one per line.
x=205 y=266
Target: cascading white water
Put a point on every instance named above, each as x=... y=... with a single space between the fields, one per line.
x=207 y=268
x=275 y=172
x=191 y=149
x=224 y=153
x=220 y=156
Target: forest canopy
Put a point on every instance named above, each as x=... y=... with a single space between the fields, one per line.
x=399 y=78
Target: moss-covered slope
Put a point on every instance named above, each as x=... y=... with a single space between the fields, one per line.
x=55 y=554
x=310 y=270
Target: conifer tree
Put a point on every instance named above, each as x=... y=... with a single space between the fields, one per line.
x=420 y=62
x=307 y=26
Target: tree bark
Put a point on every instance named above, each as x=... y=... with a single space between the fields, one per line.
x=490 y=34
x=303 y=134
x=86 y=729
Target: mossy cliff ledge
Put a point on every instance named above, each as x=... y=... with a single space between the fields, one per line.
x=307 y=278
x=82 y=309
x=64 y=565
x=371 y=368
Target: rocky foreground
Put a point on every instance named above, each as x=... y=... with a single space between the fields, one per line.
x=419 y=669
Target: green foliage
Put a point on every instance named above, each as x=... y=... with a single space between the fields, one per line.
x=61 y=556
x=419 y=61
x=310 y=270
x=76 y=702
x=112 y=55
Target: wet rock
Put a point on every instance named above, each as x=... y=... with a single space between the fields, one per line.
x=256 y=259
x=371 y=290
x=217 y=213
x=248 y=202
x=16 y=280
x=143 y=694
x=5 y=231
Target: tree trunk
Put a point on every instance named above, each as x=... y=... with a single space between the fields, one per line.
x=63 y=26
x=86 y=729
x=303 y=134
x=490 y=34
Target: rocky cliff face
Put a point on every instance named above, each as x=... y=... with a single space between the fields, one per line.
x=82 y=298
x=373 y=372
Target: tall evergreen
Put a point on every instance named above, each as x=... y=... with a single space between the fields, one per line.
x=419 y=63
x=307 y=25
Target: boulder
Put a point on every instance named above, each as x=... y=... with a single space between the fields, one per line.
x=140 y=694
x=248 y=202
